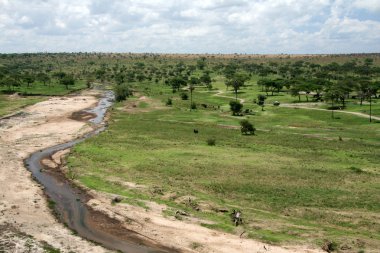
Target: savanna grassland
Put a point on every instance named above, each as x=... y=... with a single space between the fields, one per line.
x=305 y=176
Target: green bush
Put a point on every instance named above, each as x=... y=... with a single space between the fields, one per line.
x=247 y=127
x=184 y=96
x=211 y=141
x=169 y=102
x=236 y=107
x=356 y=169
x=122 y=91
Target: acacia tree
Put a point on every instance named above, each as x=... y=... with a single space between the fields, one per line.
x=372 y=90
x=191 y=89
x=206 y=79
x=177 y=82
x=43 y=77
x=201 y=63
x=362 y=88
x=295 y=89
x=271 y=85
x=332 y=94
x=237 y=81
x=59 y=75
x=29 y=79
x=10 y=82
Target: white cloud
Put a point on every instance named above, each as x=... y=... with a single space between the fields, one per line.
x=369 y=5
x=225 y=26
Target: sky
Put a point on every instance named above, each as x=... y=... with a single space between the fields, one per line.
x=185 y=26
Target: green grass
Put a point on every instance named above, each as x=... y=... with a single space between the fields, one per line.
x=31 y=95
x=293 y=180
x=50 y=249
x=9 y=104
x=356 y=107
x=52 y=89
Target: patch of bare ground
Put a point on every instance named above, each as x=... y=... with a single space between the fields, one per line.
x=228 y=126
x=142 y=105
x=315 y=106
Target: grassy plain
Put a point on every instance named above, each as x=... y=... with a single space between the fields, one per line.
x=51 y=89
x=37 y=92
x=302 y=177
x=9 y=104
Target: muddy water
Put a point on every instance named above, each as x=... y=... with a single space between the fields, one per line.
x=69 y=201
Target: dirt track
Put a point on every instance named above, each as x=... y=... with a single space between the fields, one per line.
x=24 y=208
x=312 y=106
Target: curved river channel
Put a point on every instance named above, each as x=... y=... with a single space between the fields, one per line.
x=70 y=201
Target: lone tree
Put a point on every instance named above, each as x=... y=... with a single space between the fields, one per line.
x=191 y=89
x=206 y=79
x=236 y=107
x=261 y=101
x=371 y=91
x=246 y=127
x=237 y=81
x=332 y=94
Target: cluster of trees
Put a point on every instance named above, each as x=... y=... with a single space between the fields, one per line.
x=13 y=77
x=308 y=79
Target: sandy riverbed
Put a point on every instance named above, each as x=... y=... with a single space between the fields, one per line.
x=22 y=203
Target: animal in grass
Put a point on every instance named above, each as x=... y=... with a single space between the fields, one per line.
x=195 y=131
x=236 y=217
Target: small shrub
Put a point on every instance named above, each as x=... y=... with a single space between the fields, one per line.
x=211 y=141
x=246 y=127
x=51 y=204
x=356 y=169
x=50 y=249
x=193 y=106
x=184 y=96
x=169 y=102
x=330 y=246
x=335 y=107
x=261 y=101
x=195 y=245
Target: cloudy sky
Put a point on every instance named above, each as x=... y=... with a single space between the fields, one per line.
x=184 y=26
